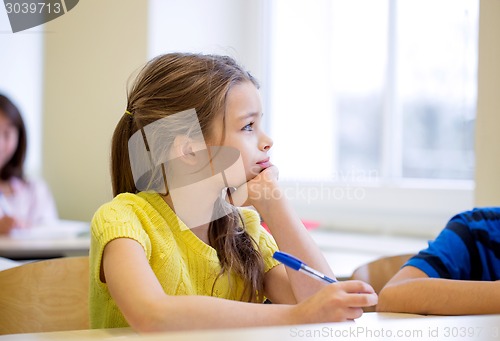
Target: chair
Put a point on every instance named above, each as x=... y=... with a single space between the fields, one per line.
x=378 y=272
x=43 y=296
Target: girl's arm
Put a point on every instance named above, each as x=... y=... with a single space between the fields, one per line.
x=140 y=297
x=287 y=229
x=412 y=291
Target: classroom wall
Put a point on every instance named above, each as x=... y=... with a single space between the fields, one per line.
x=89 y=54
x=487 y=147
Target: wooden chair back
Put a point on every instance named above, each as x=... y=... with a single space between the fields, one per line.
x=43 y=296
x=378 y=272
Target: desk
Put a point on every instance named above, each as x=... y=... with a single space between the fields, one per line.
x=371 y=326
x=66 y=238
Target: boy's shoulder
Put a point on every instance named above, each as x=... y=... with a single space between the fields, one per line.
x=479 y=219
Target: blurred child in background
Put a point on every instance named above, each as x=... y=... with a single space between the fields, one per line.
x=23 y=202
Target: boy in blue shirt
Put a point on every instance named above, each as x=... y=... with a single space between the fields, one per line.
x=458 y=274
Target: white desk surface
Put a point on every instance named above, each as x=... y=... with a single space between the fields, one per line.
x=371 y=326
x=65 y=238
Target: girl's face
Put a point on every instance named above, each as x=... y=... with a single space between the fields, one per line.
x=8 y=139
x=243 y=128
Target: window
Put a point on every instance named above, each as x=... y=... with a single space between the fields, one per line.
x=372 y=108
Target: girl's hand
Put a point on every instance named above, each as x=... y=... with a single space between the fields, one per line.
x=335 y=302
x=264 y=187
x=259 y=189
x=7 y=224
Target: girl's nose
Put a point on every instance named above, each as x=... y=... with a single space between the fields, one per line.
x=266 y=143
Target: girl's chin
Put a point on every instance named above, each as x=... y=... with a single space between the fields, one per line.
x=255 y=171
x=252 y=175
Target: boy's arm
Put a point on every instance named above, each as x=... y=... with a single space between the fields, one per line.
x=412 y=291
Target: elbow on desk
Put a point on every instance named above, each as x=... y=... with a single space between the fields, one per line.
x=384 y=304
x=392 y=300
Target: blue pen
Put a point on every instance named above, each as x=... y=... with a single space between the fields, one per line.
x=298 y=265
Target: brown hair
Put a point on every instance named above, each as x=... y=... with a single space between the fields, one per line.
x=173 y=83
x=15 y=166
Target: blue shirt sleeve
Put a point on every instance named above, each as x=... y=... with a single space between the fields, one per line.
x=467 y=249
x=446 y=257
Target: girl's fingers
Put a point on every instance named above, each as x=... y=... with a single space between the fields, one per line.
x=357 y=287
x=360 y=294
x=353 y=313
x=362 y=300
x=356 y=294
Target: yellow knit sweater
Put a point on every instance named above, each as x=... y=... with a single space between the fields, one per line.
x=183 y=264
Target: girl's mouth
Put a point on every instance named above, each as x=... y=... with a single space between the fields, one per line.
x=264 y=163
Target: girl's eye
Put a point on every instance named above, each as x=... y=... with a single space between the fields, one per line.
x=248 y=127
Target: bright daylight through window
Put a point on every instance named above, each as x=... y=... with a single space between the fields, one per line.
x=372 y=107
x=381 y=89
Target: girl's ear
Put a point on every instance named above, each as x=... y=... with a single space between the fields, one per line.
x=183 y=149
